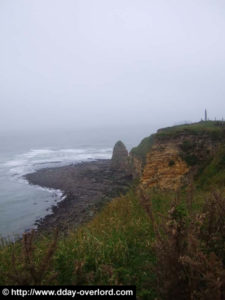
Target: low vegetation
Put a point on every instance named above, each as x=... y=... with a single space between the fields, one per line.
x=171 y=246
x=142 y=149
x=212 y=172
x=213 y=128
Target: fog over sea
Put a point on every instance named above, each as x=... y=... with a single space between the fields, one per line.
x=22 y=204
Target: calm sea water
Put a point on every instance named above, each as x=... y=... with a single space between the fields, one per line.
x=22 y=204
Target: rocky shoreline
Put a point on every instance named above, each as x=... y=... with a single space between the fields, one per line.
x=86 y=187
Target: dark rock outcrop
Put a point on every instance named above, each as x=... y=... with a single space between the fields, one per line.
x=120 y=158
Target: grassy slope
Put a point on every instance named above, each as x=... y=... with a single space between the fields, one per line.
x=114 y=248
x=142 y=149
x=212 y=173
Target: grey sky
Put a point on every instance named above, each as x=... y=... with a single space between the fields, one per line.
x=68 y=63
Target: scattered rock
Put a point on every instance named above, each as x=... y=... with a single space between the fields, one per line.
x=85 y=186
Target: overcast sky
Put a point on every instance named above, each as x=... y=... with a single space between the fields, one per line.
x=74 y=63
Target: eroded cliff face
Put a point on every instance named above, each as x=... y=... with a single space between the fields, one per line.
x=172 y=160
x=136 y=167
x=164 y=167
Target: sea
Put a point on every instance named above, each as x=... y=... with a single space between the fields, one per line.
x=22 y=204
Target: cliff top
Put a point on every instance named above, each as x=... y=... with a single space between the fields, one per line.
x=214 y=129
x=193 y=128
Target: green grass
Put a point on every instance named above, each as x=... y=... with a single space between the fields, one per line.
x=143 y=148
x=114 y=248
x=212 y=173
x=214 y=128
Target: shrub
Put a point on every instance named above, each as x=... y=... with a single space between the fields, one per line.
x=186 y=146
x=25 y=268
x=171 y=163
x=190 y=252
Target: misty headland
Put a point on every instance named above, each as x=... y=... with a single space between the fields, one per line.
x=112 y=156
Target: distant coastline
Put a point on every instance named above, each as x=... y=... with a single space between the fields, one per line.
x=86 y=187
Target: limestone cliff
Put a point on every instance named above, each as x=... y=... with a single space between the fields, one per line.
x=169 y=158
x=164 y=168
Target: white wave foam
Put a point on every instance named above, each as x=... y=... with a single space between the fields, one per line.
x=38 y=152
x=40 y=158
x=58 y=194
x=15 y=162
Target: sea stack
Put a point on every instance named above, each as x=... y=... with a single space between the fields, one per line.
x=120 y=158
